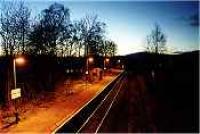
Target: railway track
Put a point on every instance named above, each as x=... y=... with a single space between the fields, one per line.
x=91 y=116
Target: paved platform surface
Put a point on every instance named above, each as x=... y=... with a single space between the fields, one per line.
x=61 y=105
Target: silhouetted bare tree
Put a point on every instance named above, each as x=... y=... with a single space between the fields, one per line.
x=8 y=29
x=36 y=38
x=112 y=48
x=14 y=26
x=108 y=48
x=48 y=32
x=23 y=25
x=92 y=34
x=156 y=41
x=52 y=33
x=77 y=38
x=72 y=40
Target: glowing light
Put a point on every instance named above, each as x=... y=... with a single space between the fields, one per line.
x=90 y=59
x=107 y=59
x=86 y=72
x=20 y=60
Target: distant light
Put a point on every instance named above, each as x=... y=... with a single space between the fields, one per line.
x=86 y=72
x=118 y=61
x=90 y=59
x=20 y=60
x=107 y=59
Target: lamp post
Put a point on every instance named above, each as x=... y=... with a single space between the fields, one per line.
x=105 y=61
x=119 y=63
x=20 y=61
x=88 y=61
x=104 y=64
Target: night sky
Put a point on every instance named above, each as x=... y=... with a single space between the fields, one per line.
x=129 y=22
